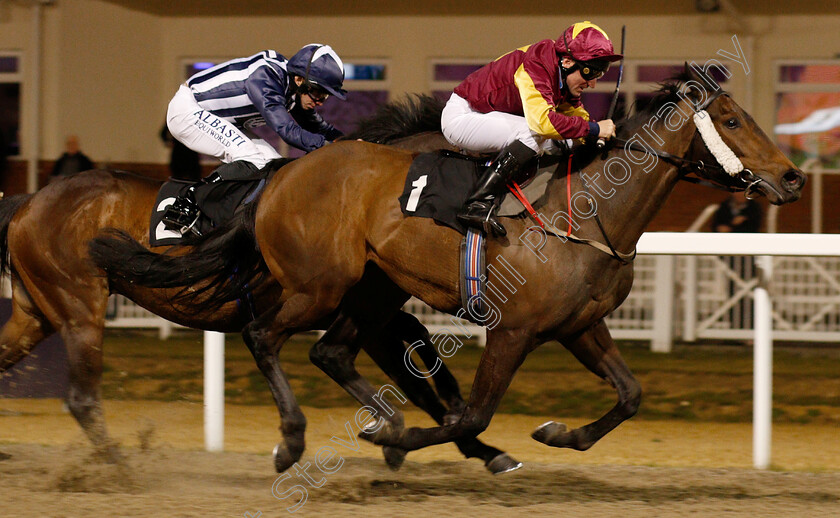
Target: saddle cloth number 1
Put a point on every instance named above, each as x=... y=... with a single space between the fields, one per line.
x=414 y=197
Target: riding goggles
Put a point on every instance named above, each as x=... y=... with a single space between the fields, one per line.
x=590 y=70
x=316 y=93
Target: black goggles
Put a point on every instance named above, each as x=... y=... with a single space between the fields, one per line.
x=314 y=92
x=590 y=70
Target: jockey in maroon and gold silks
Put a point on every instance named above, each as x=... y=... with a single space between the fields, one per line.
x=522 y=105
x=527 y=82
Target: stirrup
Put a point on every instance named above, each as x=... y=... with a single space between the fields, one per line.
x=181 y=222
x=481 y=215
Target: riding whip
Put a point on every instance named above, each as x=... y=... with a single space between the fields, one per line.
x=611 y=111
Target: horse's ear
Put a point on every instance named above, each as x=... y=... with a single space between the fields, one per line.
x=701 y=76
x=689 y=73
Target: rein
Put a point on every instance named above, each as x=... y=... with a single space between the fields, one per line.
x=550 y=230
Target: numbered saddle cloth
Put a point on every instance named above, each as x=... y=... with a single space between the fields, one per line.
x=438 y=184
x=217 y=203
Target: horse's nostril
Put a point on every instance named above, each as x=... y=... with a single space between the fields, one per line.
x=794 y=179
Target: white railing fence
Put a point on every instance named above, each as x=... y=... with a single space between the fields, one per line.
x=703 y=297
x=123 y=313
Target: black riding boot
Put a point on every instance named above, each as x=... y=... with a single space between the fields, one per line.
x=182 y=214
x=480 y=209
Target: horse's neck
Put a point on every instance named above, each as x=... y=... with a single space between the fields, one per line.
x=625 y=209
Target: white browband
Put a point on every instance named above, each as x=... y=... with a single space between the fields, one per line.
x=725 y=157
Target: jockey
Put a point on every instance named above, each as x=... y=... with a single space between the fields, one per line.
x=518 y=104
x=213 y=112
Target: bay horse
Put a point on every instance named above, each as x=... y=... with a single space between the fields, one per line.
x=334 y=216
x=57 y=287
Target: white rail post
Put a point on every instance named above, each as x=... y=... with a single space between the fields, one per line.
x=763 y=366
x=214 y=391
x=663 y=305
x=689 y=333
x=165 y=329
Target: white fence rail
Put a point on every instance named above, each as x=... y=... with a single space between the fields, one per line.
x=708 y=297
x=123 y=313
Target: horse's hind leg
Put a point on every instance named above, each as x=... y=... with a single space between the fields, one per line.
x=82 y=339
x=389 y=355
x=595 y=349
x=265 y=339
x=22 y=332
x=84 y=351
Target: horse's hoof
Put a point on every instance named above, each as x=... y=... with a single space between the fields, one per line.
x=283 y=459
x=380 y=432
x=4 y=456
x=109 y=453
x=451 y=418
x=502 y=463
x=394 y=457
x=371 y=430
x=548 y=431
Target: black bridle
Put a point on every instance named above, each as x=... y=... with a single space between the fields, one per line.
x=685 y=167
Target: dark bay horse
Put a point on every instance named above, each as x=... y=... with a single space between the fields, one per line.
x=57 y=287
x=334 y=216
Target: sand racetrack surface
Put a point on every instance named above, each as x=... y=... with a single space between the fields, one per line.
x=644 y=469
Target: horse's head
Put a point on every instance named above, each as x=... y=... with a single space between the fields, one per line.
x=744 y=157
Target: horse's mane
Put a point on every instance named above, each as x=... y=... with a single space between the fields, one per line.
x=667 y=93
x=415 y=113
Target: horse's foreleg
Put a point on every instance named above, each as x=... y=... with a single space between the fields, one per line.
x=335 y=354
x=405 y=327
x=596 y=350
x=389 y=354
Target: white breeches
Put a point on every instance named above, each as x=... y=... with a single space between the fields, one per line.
x=205 y=133
x=487 y=132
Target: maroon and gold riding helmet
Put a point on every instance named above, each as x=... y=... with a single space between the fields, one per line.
x=589 y=46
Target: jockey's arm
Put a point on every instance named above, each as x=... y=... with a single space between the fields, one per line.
x=269 y=97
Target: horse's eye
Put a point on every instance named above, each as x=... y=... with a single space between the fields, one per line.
x=732 y=123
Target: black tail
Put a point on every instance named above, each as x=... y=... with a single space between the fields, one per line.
x=417 y=113
x=222 y=266
x=8 y=208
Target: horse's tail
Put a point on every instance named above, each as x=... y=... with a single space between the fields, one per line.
x=219 y=267
x=8 y=208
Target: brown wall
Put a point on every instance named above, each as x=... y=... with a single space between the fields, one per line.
x=686 y=203
x=14 y=179
x=107 y=72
